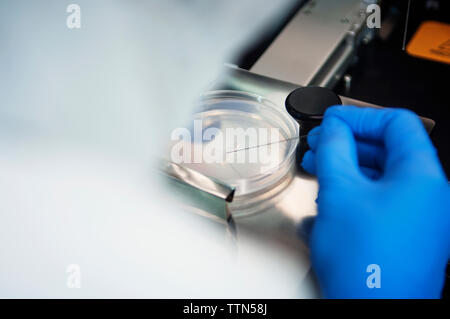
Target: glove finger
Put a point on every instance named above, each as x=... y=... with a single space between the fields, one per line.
x=309 y=162
x=313 y=138
x=336 y=155
x=400 y=131
x=371 y=173
x=370 y=155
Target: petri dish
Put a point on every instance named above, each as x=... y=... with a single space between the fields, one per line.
x=242 y=140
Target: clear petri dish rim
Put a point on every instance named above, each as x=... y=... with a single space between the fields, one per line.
x=271 y=182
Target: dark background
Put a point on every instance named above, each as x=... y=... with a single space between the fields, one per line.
x=386 y=75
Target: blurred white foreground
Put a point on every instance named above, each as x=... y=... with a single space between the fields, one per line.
x=82 y=115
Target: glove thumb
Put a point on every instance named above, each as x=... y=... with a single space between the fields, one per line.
x=336 y=153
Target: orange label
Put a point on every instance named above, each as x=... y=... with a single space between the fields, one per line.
x=431 y=41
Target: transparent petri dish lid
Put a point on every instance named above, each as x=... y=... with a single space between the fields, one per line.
x=242 y=140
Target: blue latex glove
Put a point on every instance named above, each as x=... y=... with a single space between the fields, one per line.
x=383 y=199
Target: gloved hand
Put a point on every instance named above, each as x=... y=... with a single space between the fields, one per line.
x=383 y=200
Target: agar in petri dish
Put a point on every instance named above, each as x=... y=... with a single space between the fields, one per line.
x=244 y=141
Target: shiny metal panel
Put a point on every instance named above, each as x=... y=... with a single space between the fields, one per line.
x=317 y=44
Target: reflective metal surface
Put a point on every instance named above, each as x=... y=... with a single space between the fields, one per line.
x=318 y=44
x=197 y=180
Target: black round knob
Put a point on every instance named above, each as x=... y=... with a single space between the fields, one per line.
x=307 y=105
